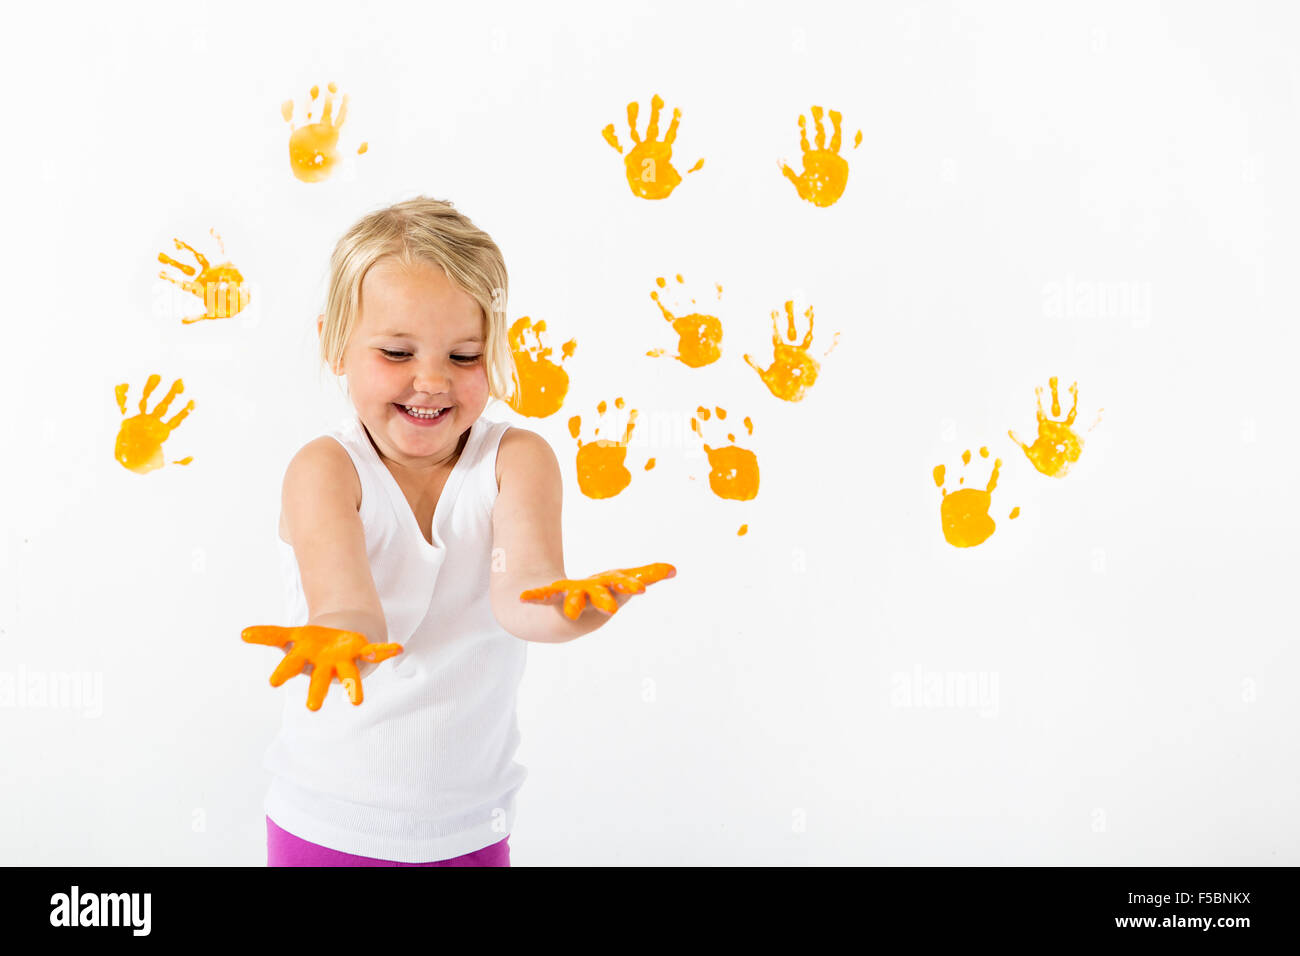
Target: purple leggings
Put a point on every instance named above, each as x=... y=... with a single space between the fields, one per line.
x=285 y=849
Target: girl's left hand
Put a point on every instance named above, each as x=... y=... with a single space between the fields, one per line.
x=576 y=592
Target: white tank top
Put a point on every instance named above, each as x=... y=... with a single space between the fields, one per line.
x=422 y=769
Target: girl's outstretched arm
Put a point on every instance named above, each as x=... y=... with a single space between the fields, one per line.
x=527 y=548
x=346 y=632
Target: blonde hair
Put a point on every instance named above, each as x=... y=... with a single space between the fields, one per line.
x=433 y=231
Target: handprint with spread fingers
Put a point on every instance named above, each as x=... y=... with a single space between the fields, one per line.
x=793 y=370
x=140 y=439
x=825 y=171
x=648 y=163
x=221 y=287
x=328 y=650
x=576 y=592
x=1058 y=445
x=313 y=149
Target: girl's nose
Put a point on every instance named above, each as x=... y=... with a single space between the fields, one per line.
x=432 y=380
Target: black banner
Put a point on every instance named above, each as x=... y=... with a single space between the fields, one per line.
x=322 y=907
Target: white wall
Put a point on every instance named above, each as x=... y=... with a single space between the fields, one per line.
x=1132 y=627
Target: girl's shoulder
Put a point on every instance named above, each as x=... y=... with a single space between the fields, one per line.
x=523 y=452
x=322 y=466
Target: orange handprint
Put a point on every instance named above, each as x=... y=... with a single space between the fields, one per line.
x=650 y=172
x=700 y=336
x=965 y=513
x=733 y=471
x=576 y=592
x=793 y=371
x=1057 y=446
x=601 y=469
x=825 y=171
x=328 y=650
x=140 y=439
x=542 y=383
x=313 y=149
x=220 y=287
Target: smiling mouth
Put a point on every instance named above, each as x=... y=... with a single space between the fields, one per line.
x=423 y=414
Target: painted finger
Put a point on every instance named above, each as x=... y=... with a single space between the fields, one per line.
x=601 y=598
x=623 y=582
x=320 y=685
x=351 y=680
x=268 y=634
x=380 y=652
x=650 y=573
x=574 y=602
x=291 y=666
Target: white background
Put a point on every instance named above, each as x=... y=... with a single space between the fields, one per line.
x=1131 y=628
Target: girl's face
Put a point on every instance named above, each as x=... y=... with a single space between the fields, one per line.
x=418 y=344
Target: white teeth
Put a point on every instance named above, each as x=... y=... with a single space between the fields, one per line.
x=422 y=412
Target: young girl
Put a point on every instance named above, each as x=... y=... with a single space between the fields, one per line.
x=424 y=540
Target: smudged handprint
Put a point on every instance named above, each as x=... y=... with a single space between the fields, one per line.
x=793 y=371
x=1057 y=446
x=221 y=287
x=964 y=514
x=542 y=383
x=699 y=336
x=733 y=471
x=313 y=148
x=601 y=469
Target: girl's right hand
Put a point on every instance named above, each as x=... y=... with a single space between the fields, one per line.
x=327 y=650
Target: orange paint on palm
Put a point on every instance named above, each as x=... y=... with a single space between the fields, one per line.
x=1057 y=446
x=221 y=287
x=733 y=471
x=313 y=148
x=699 y=336
x=141 y=437
x=744 y=529
x=542 y=383
x=602 y=472
x=825 y=171
x=649 y=168
x=964 y=514
x=793 y=371
x=329 y=651
x=599 y=588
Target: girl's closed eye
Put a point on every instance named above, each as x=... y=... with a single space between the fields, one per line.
x=466 y=359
